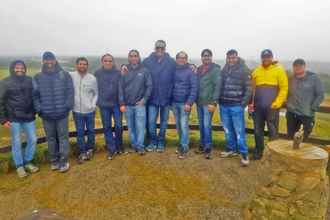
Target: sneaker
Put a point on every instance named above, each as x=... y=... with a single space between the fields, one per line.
x=31 y=168
x=21 y=172
x=122 y=152
x=133 y=150
x=178 y=150
x=208 y=154
x=200 y=150
x=89 y=155
x=111 y=155
x=116 y=151
x=183 y=153
x=64 y=166
x=228 y=153
x=160 y=148
x=142 y=151
x=245 y=160
x=150 y=147
x=256 y=156
x=55 y=166
x=81 y=158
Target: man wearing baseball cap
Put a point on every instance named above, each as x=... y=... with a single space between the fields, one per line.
x=271 y=88
x=304 y=97
x=53 y=98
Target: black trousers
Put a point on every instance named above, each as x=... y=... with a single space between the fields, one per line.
x=293 y=123
x=260 y=117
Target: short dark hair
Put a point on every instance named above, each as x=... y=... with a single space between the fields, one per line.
x=232 y=51
x=82 y=59
x=176 y=57
x=162 y=41
x=208 y=51
x=107 y=54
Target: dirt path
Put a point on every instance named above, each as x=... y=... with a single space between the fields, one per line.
x=154 y=186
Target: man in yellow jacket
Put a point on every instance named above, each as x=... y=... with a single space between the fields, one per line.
x=270 y=91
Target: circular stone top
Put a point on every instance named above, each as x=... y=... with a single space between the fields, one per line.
x=306 y=151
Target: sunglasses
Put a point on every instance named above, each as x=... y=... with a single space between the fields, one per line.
x=160 y=48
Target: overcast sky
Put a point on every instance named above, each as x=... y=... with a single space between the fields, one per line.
x=291 y=28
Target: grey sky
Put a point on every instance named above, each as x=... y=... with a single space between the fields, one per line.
x=291 y=28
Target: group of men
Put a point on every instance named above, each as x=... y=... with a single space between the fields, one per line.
x=143 y=91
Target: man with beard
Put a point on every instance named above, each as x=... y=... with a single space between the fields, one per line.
x=53 y=98
x=16 y=112
x=85 y=97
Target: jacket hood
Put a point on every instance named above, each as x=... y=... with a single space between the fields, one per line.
x=56 y=70
x=131 y=68
x=12 y=67
x=113 y=69
x=155 y=58
x=186 y=66
x=238 y=64
x=308 y=74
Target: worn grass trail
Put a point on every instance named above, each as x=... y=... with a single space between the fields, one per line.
x=154 y=186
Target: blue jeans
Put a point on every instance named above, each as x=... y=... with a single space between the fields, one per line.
x=136 y=123
x=205 y=126
x=16 y=142
x=57 y=136
x=152 y=120
x=181 y=119
x=106 y=113
x=233 y=122
x=80 y=121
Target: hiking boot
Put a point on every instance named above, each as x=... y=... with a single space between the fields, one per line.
x=122 y=152
x=178 y=150
x=245 y=160
x=31 y=168
x=150 y=147
x=89 y=155
x=183 y=153
x=64 y=166
x=160 y=148
x=21 y=172
x=228 y=153
x=55 y=165
x=256 y=156
x=111 y=155
x=208 y=154
x=200 y=150
x=142 y=151
x=81 y=158
x=133 y=150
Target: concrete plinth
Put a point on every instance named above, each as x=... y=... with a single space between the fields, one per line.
x=291 y=184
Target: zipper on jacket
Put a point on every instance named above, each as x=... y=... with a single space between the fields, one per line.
x=80 y=93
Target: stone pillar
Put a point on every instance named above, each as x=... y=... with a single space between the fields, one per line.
x=290 y=184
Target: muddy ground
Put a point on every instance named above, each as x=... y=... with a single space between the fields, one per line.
x=154 y=186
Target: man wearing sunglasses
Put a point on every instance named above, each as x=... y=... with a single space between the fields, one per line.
x=161 y=66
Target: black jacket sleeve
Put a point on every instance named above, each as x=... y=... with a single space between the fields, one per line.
x=148 y=90
x=3 y=96
x=248 y=92
x=121 y=93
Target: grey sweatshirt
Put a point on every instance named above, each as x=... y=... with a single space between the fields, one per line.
x=85 y=92
x=305 y=94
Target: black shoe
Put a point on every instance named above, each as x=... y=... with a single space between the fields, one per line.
x=208 y=154
x=81 y=158
x=111 y=155
x=142 y=151
x=178 y=150
x=89 y=155
x=200 y=150
x=183 y=153
x=245 y=160
x=133 y=150
x=122 y=152
x=256 y=156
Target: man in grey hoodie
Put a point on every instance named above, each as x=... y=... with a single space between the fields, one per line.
x=85 y=97
x=305 y=95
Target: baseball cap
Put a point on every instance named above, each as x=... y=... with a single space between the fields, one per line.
x=266 y=52
x=48 y=54
x=299 y=61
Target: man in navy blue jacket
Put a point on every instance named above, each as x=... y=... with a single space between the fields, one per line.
x=53 y=98
x=185 y=90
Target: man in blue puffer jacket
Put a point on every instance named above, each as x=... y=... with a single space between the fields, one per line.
x=53 y=98
x=185 y=90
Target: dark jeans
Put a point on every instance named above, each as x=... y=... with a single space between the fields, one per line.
x=271 y=117
x=80 y=121
x=57 y=136
x=293 y=123
x=106 y=114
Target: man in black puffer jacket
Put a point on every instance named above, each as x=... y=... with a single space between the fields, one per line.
x=53 y=98
x=237 y=90
x=16 y=112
